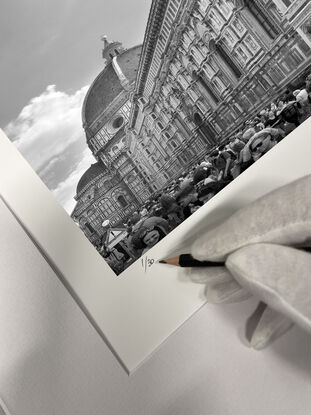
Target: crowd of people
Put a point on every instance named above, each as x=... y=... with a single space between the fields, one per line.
x=165 y=210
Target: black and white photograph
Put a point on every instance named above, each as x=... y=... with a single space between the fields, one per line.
x=136 y=114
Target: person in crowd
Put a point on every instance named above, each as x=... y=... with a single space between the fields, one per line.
x=149 y=238
x=149 y=234
x=280 y=106
x=187 y=195
x=143 y=212
x=201 y=173
x=224 y=161
x=271 y=119
x=261 y=142
x=171 y=210
x=290 y=113
x=288 y=96
x=135 y=217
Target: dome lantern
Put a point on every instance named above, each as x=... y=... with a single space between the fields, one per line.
x=111 y=49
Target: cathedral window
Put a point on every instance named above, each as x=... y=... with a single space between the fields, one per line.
x=118 y=122
x=90 y=228
x=173 y=144
x=160 y=125
x=121 y=200
x=142 y=100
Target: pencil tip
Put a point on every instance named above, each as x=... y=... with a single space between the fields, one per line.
x=162 y=262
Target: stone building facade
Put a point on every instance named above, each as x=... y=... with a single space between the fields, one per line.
x=208 y=66
x=114 y=186
x=205 y=67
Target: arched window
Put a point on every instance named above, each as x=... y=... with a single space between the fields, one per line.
x=197 y=118
x=89 y=227
x=173 y=143
x=160 y=125
x=122 y=201
x=118 y=122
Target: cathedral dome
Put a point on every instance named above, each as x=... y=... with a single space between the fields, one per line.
x=91 y=173
x=110 y=83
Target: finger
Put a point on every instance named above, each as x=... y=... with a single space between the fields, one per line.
x=282 y=217
x=271 y=326
x=220 y=286
x=253 y=320
x=278 y=275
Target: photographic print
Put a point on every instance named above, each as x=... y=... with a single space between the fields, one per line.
x=135 y=114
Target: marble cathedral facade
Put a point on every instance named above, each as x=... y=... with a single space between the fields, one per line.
x=205 y=67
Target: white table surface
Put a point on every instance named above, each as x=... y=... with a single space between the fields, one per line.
x=52 y=361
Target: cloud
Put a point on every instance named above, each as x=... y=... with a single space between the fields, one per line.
x=48 y=125
x=66 y=190
x=49 y=134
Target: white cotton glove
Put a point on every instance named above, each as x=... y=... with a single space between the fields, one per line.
x=259 y=245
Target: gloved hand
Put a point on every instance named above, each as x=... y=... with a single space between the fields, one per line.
x=262 y=246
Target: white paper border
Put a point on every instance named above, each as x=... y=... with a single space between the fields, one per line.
x=137 y=310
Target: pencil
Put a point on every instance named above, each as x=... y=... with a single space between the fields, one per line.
x=186 y=260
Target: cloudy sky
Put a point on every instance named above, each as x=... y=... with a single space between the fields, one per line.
x=50 y=53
